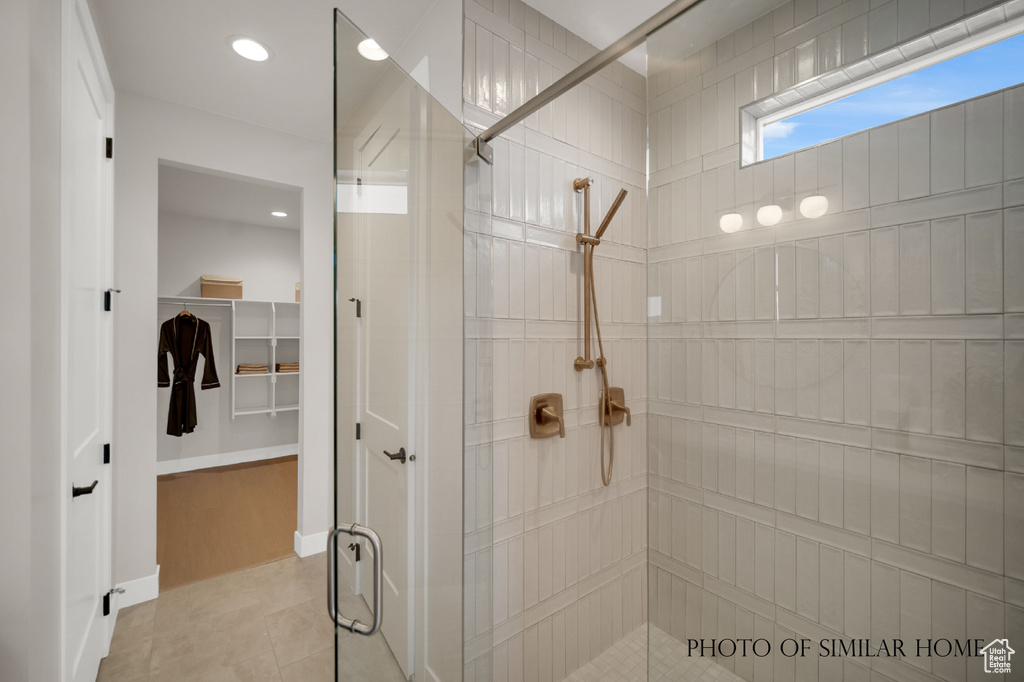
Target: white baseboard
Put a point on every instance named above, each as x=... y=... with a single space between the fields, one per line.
x=308 y=545
x=137 y=591
x=176 y=466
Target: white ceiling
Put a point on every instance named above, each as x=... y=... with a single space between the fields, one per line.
x=215 y=196
x=178 y=49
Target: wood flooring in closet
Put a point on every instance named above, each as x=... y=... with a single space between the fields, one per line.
x=216 y=521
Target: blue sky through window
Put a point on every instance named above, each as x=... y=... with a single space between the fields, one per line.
x=985 y=70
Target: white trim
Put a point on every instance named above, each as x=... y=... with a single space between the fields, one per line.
x=136 y=591
x=308 y=545
x=176 y=466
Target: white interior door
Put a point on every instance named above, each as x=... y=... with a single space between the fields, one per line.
x=86 y=343
x=386 y=383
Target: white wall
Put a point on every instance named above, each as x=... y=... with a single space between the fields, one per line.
x=148 y=131
x=556 y=563
x=30 y=403
x=836 y=420
x=266 y=257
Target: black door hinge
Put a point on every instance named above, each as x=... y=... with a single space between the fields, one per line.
x=106 y=301
x=355 y=547
x=359 y=430
x=110 y=147
x=106 y=453
x=106 y=601
x=359 y=306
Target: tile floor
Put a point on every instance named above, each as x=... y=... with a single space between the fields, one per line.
x=264 y=623
x=626 y=661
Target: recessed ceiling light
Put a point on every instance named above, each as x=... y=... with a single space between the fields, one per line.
x=730 y=222
x=279 y=214
x=371 y=50
x=250 y=49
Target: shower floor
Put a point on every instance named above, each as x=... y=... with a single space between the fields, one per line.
x=626 y=661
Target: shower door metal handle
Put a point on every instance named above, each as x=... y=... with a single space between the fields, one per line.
x=378 y=583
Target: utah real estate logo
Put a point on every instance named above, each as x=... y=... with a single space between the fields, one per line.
x=997 y=656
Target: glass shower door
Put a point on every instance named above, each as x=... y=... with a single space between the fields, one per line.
x=395 y=554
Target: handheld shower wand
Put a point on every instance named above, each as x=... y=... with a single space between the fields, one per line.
x=590 y=301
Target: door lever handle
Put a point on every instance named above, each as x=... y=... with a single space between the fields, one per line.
x=400 y=456
x=85 y=490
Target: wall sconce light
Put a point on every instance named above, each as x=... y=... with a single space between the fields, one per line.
x=730 y=222
x=769 y=215
x=813 y=206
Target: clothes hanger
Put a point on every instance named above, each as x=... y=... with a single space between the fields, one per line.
x=184 y=311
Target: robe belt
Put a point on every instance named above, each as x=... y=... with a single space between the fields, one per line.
x=181 y=376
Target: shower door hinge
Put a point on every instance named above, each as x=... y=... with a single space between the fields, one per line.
x=359 y=306
x=359 y=431
x=106 y=599
x=355 y=547
x=110 y=147
x=106 y=453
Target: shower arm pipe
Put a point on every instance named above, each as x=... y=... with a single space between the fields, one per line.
x=581 y=73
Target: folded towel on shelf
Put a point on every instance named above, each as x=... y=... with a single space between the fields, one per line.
x=287 y=367
x=252 y=369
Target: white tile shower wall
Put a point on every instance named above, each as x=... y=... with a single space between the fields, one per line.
x=836 y=405
x=555 y=563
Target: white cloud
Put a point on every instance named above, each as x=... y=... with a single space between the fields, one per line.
x=779 y=130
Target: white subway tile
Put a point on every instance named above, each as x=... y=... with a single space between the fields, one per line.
x=947 y=149
x=709 y=381
x=1013 y=133
x=830 y=378
x=764 y=468
x=727 y=286
x=885 y=602
x=1014 y=520
x=764 y=375
x=985 y=391
x=985 y=519
x=915 y=386
x=807 y=578
x=831 y=273
x=1013 y=265
x=745 y=555
x=949 y=617
x=914 y=269
x=807 y=476
x=884 y=167
x=984 y=262
x=885 y=277
x=948 y=257
x=764 y=283
x=915 y=613
x=830 y=488
x=785 y=570
x=885 y=496
x=709 y=269
x=915 y=503
x=985 y=621
x=785 y=255
x=727 y=548
x=948 y=510
x=807 y=288
x=807 y=379
x=857 y=382
x=831 y=594
x=785 y=474
x=856 y=177
x=745 y=377
x=984 y=134
x=785 y=377
x=857 y=490
x=948 y=388
x=709 y=456
x=1014 y=392
x=764 y=561
x=857 y=607
x=885 y=382
x=914 y=150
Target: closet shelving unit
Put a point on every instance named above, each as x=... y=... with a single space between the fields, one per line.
x=261 y=332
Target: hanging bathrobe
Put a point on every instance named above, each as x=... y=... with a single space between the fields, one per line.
x=185 y=337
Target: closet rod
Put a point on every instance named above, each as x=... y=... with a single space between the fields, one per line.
x=189 y=304
x=582 y=72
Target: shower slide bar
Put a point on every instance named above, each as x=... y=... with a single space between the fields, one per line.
x=580 y=74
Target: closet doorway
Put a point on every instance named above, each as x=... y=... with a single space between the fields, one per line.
x=228 y=373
